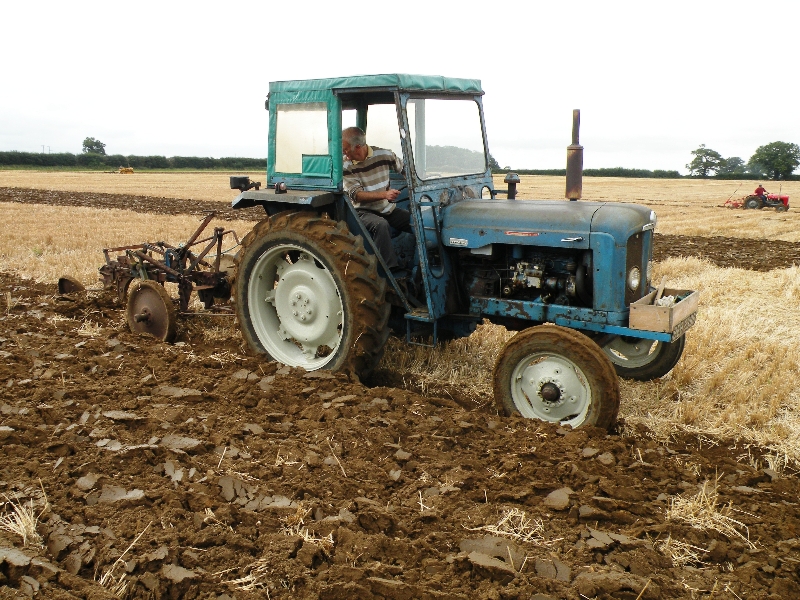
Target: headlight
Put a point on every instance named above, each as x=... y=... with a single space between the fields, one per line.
x=634 y=278
x=652 y=223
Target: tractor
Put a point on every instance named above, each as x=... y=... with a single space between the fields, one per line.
x=777 y=201
x=311 y=290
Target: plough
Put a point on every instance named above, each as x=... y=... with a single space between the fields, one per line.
x=139 y=275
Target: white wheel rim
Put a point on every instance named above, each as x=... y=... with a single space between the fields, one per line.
x=540 y=369
x=634 y=354
x=295 y=307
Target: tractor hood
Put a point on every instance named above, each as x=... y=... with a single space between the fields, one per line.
x=478 y=223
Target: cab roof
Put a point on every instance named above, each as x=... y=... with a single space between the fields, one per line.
x=400 y=81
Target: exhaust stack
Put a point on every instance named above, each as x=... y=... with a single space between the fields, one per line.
x=575 y=160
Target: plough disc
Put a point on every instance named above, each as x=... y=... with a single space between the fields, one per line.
x=151 y=311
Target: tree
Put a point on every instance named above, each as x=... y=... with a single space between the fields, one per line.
x=705 y=161
x=732 y=166
x=493 y=164
x=777 y=160
x=93 y=146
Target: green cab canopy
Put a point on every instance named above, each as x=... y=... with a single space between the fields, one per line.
x=425 y=83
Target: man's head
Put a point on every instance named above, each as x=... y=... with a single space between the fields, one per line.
x=354 y=144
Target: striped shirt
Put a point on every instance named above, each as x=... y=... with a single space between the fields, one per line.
x=371 y=175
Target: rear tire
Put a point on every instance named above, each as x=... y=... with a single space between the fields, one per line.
x=753 y=202
x=556 y=374
x=309 y=295
x=644 y=360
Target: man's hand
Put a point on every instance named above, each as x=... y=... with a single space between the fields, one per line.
x=391 y=195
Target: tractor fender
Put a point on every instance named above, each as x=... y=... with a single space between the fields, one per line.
x=291 y=200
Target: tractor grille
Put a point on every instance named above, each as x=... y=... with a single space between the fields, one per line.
x=635 y=258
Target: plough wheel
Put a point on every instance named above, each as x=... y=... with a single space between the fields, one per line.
x=151 y=311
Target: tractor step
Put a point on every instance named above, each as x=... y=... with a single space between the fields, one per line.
x=421 y=315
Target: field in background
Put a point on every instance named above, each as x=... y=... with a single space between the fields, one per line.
x=684 y=206
x=738 y=375
x=201 y=185
x=49 y=241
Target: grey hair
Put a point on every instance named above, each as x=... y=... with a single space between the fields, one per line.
x=354 y=136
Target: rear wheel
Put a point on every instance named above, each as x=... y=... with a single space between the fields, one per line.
x=556 y=374
x=309 y=295
x=644 y=360
x=752 y=202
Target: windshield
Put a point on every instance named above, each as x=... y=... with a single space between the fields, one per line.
x=446 y=137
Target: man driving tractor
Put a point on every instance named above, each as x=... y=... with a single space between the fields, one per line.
x=760 y=191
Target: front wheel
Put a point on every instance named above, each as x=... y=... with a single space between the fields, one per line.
x=644 y=360
x=309 y=295
x=556 y=374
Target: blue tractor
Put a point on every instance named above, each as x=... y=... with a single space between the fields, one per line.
x=312 y=291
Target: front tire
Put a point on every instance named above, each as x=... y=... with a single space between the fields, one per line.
x=309 y=295
x=556 y=374
x=644 y=360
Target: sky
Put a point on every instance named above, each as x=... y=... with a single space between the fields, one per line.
x=653 y=80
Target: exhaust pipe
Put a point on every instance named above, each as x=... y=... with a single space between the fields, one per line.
x=575 y=160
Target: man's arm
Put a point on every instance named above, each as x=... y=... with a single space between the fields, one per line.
x=363 y=197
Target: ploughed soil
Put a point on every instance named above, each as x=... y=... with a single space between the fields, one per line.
x=192 y=470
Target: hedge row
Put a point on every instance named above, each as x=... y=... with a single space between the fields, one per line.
x=66 y=159
x=607 y=172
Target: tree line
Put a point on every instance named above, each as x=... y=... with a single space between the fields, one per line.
x=777 y=160
x=114 y=161
x=604 y=172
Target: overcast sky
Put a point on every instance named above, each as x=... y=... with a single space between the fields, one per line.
x=653 y=79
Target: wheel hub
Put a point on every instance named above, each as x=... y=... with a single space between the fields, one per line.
x=302 y=311
x=551 y=388
x=303 y=300
x=550 y=392
x=302 y=306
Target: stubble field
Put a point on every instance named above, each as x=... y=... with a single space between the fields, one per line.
x=322 y=487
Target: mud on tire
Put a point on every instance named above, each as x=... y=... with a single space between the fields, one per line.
x=309 y=295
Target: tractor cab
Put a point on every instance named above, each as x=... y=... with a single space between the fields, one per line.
x=435 y=124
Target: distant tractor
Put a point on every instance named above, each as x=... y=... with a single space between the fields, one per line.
x=312 y=291
x=777 y=201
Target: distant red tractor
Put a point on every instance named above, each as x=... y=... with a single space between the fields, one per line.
x=777 y=201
